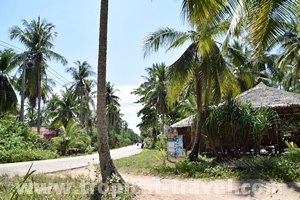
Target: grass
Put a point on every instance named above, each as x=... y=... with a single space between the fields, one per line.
x=41 y=186
x=279 y=168
x=143 y=162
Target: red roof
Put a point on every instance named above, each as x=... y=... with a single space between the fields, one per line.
x=47 y=132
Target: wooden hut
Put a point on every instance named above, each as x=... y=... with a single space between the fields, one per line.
x=185 y=128
x=285 y=104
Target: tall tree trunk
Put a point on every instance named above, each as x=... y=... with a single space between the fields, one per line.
x=106 y=164
x=195 y=151
x=39 y=65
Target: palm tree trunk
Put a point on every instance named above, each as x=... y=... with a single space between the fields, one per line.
x=106 y=164
x=194 y=153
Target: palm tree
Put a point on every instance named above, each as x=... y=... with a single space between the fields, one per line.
x=158 y=91
x=113 y=110
x=106 y=164
x=202 y=61
x=70 y=136
x=8 y=97
x=62 y=109
x=37 y=36
x=247 y=71
x=153 y=98
x=289 y=59
x=80 y=74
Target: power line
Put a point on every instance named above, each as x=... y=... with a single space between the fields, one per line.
x=64 y=80
x=9 y=48
x=55 y=80
x=12 y=46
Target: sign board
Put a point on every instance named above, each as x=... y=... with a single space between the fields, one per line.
x=175 y=145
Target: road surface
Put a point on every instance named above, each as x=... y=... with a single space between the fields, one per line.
x=53 y=165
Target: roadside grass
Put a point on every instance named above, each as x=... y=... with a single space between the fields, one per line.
x=42 y=186
x=284 y=167
x=144 y=162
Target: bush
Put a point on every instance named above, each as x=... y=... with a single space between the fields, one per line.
x=15 y=134
x=197 y=169
x=20 y=155
x=19 y=143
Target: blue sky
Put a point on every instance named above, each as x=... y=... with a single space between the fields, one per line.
x=77 y=24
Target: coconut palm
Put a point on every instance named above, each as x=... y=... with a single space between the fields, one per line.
x=81 y=74
x=112 y=109
x=289 y=58
x=62 y=109
x=153 y=98
x=158 y=91
x=107 y=166
x=266 y=20
x=70 y=136
x=8 y=97
x=37 y=37
x=202 y=61
x=153 y=92
x=248 y=71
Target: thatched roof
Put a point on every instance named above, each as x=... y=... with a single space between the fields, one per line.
x=262 y=95
x=187 y=122
x=286 y=104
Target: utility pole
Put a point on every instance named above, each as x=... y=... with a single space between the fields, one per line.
x=39 y=98
x=23 y=86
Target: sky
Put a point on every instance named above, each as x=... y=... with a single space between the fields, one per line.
x=77 y=25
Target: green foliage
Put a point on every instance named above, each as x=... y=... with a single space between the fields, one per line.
x=163 y=156
x=19 y=155
x=15 y=134
x=278 y=168
x=161 y=142
x=19 y=143
x=291 y=145
x=71 y=137
x=235 y=125
x=198 y=169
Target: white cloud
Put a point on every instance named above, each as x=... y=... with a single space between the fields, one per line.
x=128 y=107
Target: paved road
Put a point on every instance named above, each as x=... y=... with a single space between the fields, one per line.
x=53 y=165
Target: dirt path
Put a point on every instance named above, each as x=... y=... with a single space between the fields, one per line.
x=176 y=188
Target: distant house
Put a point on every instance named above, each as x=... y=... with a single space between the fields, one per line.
x=47 y=132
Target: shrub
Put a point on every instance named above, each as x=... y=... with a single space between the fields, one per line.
x=19 y=143
x=20 y=155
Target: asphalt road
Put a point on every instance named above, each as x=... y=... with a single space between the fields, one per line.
x=53 y=165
